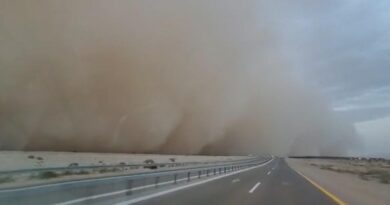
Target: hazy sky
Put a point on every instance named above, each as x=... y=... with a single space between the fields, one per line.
x=215 y=76
x=343 y=47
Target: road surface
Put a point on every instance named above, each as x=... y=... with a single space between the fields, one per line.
x=271 y=183
x=274 y=183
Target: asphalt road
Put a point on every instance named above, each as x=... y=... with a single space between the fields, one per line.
x=274 y=184
x=100 y=190
x=270 y=183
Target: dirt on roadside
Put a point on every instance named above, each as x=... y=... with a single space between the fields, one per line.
x=354 y=182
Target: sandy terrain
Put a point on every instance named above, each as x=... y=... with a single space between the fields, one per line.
x=32 y=160
x=341 y=178
x=13 y=160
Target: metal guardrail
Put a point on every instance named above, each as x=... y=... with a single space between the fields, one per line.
x=110 y=186
x=189 y=173
x=163 y=176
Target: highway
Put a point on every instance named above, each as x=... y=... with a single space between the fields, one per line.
x=269 y=183
x=274 y=183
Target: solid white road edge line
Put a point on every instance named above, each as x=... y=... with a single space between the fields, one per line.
x=143 y=198
x=254 y=187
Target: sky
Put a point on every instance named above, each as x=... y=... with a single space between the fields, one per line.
x=183 y=76
x=344 y=50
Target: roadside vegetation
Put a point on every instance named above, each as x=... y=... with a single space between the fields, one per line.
x=6 y=179
x=57 y=174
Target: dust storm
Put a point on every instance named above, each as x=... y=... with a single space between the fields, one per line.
x=181 y=77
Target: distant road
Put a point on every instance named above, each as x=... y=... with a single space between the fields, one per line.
x=271 y=183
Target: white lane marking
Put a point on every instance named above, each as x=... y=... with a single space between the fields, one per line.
x=143 y=198
x=254 y=187
x=235 y=180
x=269 y=172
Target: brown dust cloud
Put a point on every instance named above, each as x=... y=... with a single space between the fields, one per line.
x=171 y=76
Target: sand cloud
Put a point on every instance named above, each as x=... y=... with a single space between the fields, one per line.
x=144 y=76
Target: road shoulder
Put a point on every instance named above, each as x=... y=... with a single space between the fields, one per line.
x=347 y=187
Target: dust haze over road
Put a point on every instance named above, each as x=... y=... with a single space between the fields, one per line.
x=182 y=77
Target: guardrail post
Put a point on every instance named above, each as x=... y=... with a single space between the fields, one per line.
x=175 y=178
x=207 y=173
x=225 y=170
x=156 y=181
x=215 y=171
x=199 y=173
x=189 y=176
x=129 y=187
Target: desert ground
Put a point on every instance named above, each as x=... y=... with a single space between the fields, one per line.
x=15 y=160
x=356 y=182
x=18 y=160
